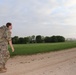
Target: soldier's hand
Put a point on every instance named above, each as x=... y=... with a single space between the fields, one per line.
x=12 y=49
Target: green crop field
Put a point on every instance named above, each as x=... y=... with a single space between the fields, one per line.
x=28 y=49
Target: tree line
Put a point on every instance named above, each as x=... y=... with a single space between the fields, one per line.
x=37 y=39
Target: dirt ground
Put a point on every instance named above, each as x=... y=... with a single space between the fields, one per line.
x=53 y=63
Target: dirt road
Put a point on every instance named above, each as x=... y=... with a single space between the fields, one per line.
x=54 y=63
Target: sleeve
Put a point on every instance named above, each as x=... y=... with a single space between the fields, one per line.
x=8 y=33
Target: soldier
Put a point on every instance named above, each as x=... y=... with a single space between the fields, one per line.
x=4 y=53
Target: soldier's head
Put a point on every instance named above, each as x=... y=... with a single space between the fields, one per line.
x=9 y=25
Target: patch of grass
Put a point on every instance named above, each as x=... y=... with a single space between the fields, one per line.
x=28 y=49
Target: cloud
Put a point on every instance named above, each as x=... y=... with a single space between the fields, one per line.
x=70 y=3
x=38 y=16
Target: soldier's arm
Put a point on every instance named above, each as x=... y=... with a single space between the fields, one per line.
x=11 y=45
x=9 y=40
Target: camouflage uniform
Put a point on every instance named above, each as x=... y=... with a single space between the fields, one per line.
x=4 y=53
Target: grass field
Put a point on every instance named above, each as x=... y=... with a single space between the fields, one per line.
x=28 y=49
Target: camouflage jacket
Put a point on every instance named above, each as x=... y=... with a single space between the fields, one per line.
x=6 y=35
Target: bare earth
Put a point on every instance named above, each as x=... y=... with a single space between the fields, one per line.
x=53 y=63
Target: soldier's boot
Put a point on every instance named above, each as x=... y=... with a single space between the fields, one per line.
x=4 y=66
x=2 y=70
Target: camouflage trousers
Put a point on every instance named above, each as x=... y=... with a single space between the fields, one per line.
x=4 y=54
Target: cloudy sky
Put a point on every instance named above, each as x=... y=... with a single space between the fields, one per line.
x=40 y=17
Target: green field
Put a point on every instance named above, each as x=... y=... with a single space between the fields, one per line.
x=28 y=49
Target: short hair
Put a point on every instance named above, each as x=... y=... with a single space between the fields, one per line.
x=8 y=24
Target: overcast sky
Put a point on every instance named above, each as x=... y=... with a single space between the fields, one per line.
x=40 y=17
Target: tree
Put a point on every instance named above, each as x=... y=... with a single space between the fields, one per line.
x=54 y=39
x=38 y=39
x=26 y=40
x=60 y=38
x=21 y=40
x=47 y=40
x=33 y=38
x=42 y=37
x=15 y=40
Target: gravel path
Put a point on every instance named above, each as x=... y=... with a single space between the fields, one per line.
x=53 y=63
